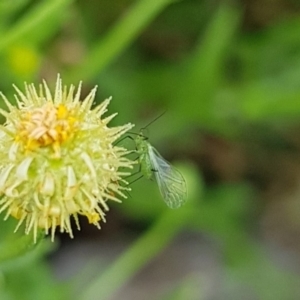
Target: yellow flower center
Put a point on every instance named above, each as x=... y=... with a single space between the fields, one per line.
x=46 y=126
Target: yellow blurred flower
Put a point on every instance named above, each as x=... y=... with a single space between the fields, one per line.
x=23 y=60
x=58 y=159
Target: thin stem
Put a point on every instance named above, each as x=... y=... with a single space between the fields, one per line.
x=32 y=21
x=141 y=252
x=16 y=247
x=119 y=37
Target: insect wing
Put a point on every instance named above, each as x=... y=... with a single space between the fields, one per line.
x=171 y=183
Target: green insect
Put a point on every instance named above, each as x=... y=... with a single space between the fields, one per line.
x=171 y=183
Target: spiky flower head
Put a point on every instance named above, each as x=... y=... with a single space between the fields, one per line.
x=58 y=159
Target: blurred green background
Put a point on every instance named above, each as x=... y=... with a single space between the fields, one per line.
x=227 y=73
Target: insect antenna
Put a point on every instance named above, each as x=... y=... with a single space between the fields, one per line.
x=152 y=121
x=129 y=133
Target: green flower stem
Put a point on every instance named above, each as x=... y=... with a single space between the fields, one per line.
x=187 y=289
x=118 y=38
x=141 y=252
x=202 y=78
x=32 y=21
x=13 y=248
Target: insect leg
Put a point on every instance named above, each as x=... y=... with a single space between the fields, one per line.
x=124 y=138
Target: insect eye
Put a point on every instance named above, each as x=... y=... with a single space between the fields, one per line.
x=142 y=136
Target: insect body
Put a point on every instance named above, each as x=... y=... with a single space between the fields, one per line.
x=170 y=182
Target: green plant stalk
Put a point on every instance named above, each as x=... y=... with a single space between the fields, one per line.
x=141 y=252
x=6 y=8
x=13 y=248
x=205 y=71
x=118 y=38
x=33 y=20
x=187 y=289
